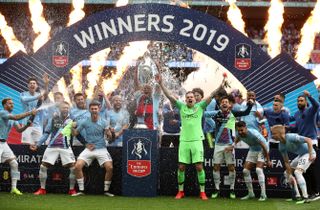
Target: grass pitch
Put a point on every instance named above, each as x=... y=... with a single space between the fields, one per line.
x=99 y=202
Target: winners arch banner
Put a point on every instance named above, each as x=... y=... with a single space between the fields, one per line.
x=158 y=22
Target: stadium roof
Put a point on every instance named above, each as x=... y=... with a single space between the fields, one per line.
x=190 y=2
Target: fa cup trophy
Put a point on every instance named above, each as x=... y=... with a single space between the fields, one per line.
x=146 y=71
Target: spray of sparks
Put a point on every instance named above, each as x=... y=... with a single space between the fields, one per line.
x=12 y=42
x=235 y=16
x=39 y=24
x=273 y=27
x=308 y=35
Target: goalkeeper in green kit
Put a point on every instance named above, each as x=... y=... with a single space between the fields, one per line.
x=191 y=135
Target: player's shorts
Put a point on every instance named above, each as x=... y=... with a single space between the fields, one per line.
x=221 y=156
x=5 y=152
x=302 y=162
x=102 y=155
x=51 y=155
x=31 y=135
x=191 y=152
x=255 y=156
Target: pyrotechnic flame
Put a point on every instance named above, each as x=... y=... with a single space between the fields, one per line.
x=131 y=52
x=39 y=24
x=77 y=13
x=63 y=87
x=76 y=80
x=12 y=42
x=308 y=34
x=235 y=16
x=273 y=27
x=97 y=61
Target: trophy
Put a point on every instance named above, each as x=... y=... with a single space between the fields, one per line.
x=146 y=71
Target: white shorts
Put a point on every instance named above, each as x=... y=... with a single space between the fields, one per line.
x=5 y=152
x=102 y=155
x=31 y=135
x=221 y=156
x=302 y=162
x=254 y=157
x=51 y=155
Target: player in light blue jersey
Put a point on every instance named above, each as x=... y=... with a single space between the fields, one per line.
x=302 y=147
x=31 y=99
x=59 y=130
x=95 y=128
x=77 y=114
x=251 y=120
x=117 y=122
x=257 y=156
x=7 y=121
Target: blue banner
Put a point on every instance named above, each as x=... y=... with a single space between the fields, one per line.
x=159 y=22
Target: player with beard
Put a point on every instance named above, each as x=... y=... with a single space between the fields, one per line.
x=96 y=129
x=191 y=135
x=58 y=98
x=257 y=156
x=305 y=125
x=78 y=113
x=117 y=120
x=225 y=119
x=251 y=120
x=59 y=130
x=7 y=121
